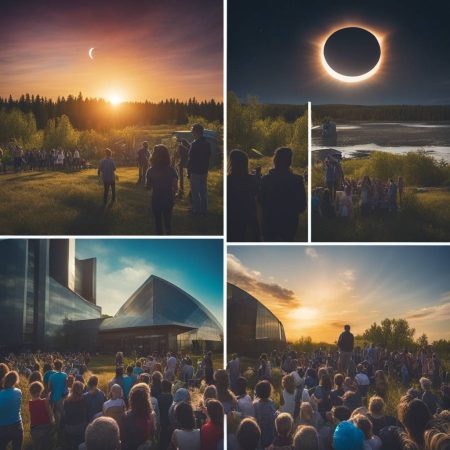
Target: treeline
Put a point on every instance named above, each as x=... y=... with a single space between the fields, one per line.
x=251 y=125
x=19 y=128
x=380 y=113
x=98 y=114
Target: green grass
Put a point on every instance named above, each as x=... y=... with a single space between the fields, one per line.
x=104 y=367
x=423 y=217
x=70 y=203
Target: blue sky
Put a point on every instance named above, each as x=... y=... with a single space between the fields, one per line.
x=316 y=290
x=195 y=265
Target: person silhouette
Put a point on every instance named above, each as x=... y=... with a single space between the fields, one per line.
x=283 y=199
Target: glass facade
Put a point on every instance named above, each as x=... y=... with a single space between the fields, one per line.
x=64 y=306
x=34 y=307
x=252 y=328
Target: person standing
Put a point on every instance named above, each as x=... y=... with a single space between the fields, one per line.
x=198 y=165
x=107 y=170
x=345 y=345
x=58 y=390
x=182 y=158
x=163 y=180
x=283 y=199
x=11 y=427
x=142 y=159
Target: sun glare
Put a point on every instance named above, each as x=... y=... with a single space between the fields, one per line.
x=115 y=99
x=346 y=78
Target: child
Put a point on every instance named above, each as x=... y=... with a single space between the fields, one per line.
x=288 y=395
x=428 y=397
x=163 y=179
x=371 y=441
x=346 y=203
x=362 y=380
x=107 y=171
x=115 y=406
x=245 y=403
x=94 y=398
x=211 y=433
x=248 y=434
x=265 y=412
x=283 y=426
x=40 y=417
x=165 y=399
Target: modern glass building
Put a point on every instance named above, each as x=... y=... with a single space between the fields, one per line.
x=160 y=316
x=252 y=328
x=43 y=287
x=48 y=301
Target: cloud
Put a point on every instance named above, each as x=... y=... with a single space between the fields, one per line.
x=116 y=286
x=311 y=252
x=438 y=312
x=248 y=279
x=347 y=279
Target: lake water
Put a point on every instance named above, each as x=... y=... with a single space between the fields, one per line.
x=358 y=138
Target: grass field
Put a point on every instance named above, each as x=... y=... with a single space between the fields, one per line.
x=70 y=203
x=423 y=217
x=104 y=368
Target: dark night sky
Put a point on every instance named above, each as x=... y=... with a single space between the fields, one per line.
x=273 y=48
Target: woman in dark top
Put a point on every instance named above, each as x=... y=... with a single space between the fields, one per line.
x=163 y=179
x=75 y=416
x=156 y=388
x=209 y=369
x=139 y=423
x=242 y=191
x=165 y=400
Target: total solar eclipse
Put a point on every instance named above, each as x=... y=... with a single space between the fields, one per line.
x=351 y=54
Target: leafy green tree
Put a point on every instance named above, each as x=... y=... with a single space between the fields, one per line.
x=393 y=334
x=59 y=133
x=422 y=341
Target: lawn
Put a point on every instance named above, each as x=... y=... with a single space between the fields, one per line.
x=423 y=217
x=70 y=203
x=104 y=367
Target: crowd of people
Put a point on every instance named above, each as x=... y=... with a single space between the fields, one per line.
x=165 y=177
x=338 y=399
x=40 y=159
x=149 y=403
x=345 y=197
x=279 y=195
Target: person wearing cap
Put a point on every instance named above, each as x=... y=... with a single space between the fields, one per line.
x=198 y=165
x=143 y=155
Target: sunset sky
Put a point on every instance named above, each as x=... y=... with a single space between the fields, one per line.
x=144 y=49
x=316 y=291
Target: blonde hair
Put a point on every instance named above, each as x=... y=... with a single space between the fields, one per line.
x=283 y=424
x=436 y=440
x=288 y=383
x=425 y=383
x=306 y=438
x=306 y=412
x=376 y=405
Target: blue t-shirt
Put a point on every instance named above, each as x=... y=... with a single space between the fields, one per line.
x=137 y=371
x=94 y=403
x=10 y=401
x=108 y=170
x=58 y=388
x=47 y=376
x=127 y=385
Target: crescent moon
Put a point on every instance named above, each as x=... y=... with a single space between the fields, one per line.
x=91 y=52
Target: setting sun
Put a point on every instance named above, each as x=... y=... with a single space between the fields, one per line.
x=115 y=99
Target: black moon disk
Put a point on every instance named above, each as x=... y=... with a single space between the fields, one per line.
x=352 y=51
